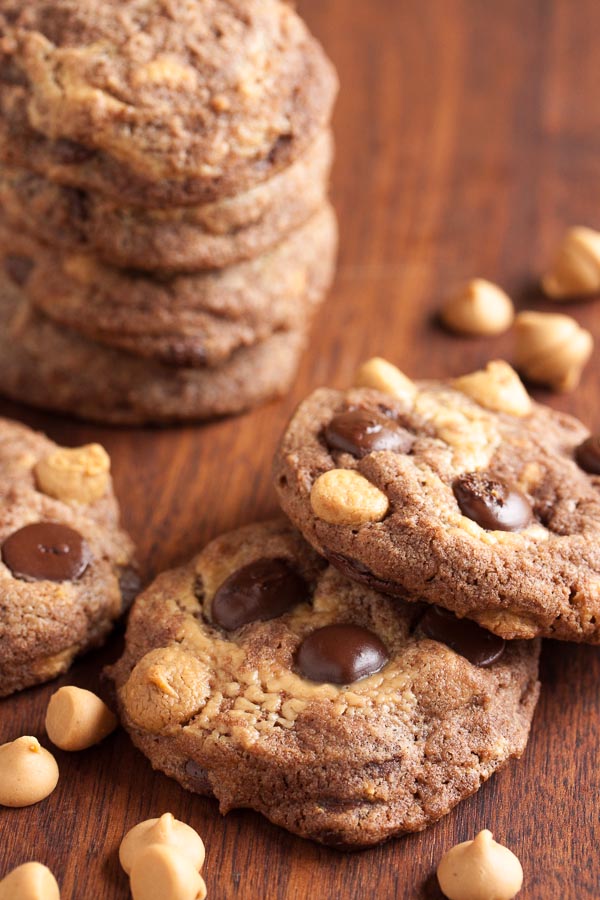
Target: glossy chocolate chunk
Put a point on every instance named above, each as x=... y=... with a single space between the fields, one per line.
x=341 y=654
x=261 y=590
x=46 y=551
x=480 y=647
x=360 y=431
x=492 y=503
x=588 y=454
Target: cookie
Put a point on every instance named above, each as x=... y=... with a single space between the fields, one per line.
x=180 y=239
x=66 y=567
x=260 y=675
x=190 y=320
x=167 y=104
x=51 y=367
x=464 y=494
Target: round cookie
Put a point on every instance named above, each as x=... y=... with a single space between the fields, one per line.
x=218 y=689
x=190 y=238
x=465 y=494
x=51 y=367
x=160 y=104
x=190 y=320
x=66 y=567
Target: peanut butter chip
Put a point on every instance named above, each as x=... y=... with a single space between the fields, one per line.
x=28 y=772
x=478 y=307
x=31 y=881
x=168 y=686
x=575 y=271
x=79 y=475
x=381 y=375
x=497 y=387
x=166 y=831
x=480 y=870
x=162 y=873
x=551 y=349
x=345 y=497
x=76 y=719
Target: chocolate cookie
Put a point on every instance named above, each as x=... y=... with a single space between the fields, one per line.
x=177 y=239
x=51 y=367
x=190 y=320
x=160 y=104
x=465 y=494
x=66 y=567
x=260 y=675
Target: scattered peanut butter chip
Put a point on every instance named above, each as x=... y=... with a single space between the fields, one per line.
x=575 y=270
x=166 y=831
x=480 y=870
x=163 y=873
x=478 y=307
x=77 y=719
x=31 y=881
x=551 y=349
x=345 y=497
x=381 y=375
x=28 y=772
x=497 y=387
x=78 y=474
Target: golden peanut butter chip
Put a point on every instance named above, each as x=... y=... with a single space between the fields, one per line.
x=497 y=387
x=77 y=719
x=79 y=474
x=162 y=873
x=28 y=772
x=479 y=870
x=381 y=375
x=551 y=349
x=31 y=881
x=166 y=831
x=575 y=270
x=345 y=497
x=478 y=307
x=167 y=687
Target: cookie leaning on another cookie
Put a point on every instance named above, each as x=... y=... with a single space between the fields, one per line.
x=259 y=674
x=66 y=567
x=477 y=502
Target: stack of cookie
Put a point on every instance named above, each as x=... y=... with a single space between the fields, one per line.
x=165 y=232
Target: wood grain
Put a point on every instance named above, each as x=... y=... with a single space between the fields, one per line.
x=468 y=137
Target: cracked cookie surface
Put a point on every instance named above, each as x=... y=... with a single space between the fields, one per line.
x=190 y=320
x=66 y=567
x=220 y=687
x=160 y=103
x=488 y=513
x=181 y=239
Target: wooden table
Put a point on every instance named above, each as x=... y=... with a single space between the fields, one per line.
x=468 y=137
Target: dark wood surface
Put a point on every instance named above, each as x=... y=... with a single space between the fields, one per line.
x=468 y=138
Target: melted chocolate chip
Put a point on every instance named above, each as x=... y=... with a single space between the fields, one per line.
x=341 y=654
x=194 y=771
x=46 y=551
x=588 y=454
x=492 y=503
x=18 y=268
x=360 y=432
x=480 y=647
x=261 y=590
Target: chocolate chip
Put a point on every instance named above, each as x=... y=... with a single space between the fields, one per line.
x=492 y=503
x=480 y=647
x=71 y=153
x=18 y=268
x=360 y=432
x=261 y=590
x=341 y=654
x=46 y=551
x=588 y=454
